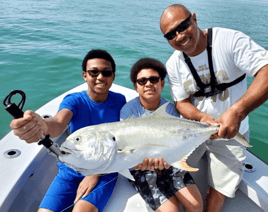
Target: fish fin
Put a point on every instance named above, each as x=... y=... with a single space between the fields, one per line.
x=241 y=139
x=183 y=165
x=127 y=174
x=161 y=111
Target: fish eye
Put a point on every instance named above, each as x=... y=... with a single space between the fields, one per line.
x=78 y=138
x=114 y=138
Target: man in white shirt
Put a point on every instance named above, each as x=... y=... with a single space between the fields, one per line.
x=209 y=85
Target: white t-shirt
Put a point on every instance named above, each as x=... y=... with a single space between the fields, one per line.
x=233 y=54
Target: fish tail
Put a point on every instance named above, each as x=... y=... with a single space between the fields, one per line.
x=241 y=139
x=183 y=165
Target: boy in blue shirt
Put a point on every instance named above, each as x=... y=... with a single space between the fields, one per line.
x=96 y=105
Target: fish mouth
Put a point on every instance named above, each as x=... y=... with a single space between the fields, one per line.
x=65 y=153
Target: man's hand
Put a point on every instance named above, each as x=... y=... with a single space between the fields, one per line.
x=209 y=120
x=151 y=164
x=229 y=124
x=29 y=128
x=86 y=186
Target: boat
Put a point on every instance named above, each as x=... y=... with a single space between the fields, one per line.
x=28 y=170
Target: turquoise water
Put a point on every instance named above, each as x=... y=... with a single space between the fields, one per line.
x=43 y=42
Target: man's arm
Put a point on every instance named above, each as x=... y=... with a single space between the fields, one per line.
x=255 y=96
x=189 y=111
x=32 y=126
x=230 y=120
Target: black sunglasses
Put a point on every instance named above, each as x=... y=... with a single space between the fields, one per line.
x=180 y=28
x=95 y=73
x=143 y=80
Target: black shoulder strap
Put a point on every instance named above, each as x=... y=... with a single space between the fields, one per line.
x=199 y=83
x=213 y=87
x=213 y=80
x=223 y=86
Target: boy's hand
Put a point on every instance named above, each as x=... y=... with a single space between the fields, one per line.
x=29 y=128
x=151 y=164
x=86 y=186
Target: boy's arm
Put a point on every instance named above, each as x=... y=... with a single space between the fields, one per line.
x=31 y=127
x=86 y=186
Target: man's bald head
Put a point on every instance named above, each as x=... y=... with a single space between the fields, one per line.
x=170 y=11
x=179 y=27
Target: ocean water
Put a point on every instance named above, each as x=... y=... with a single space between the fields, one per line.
x=43 y=42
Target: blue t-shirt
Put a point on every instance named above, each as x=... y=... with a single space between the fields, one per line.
x=134 y=108
x=87 y=112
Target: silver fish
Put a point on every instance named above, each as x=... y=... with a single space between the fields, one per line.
x=118 y=146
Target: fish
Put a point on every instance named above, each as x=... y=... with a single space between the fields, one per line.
x=119 y=146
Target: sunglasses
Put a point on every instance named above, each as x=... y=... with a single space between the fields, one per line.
x=96 y=73
x=143 y=80
x=180 y=28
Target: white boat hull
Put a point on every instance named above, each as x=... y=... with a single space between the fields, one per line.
x=25 y=179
